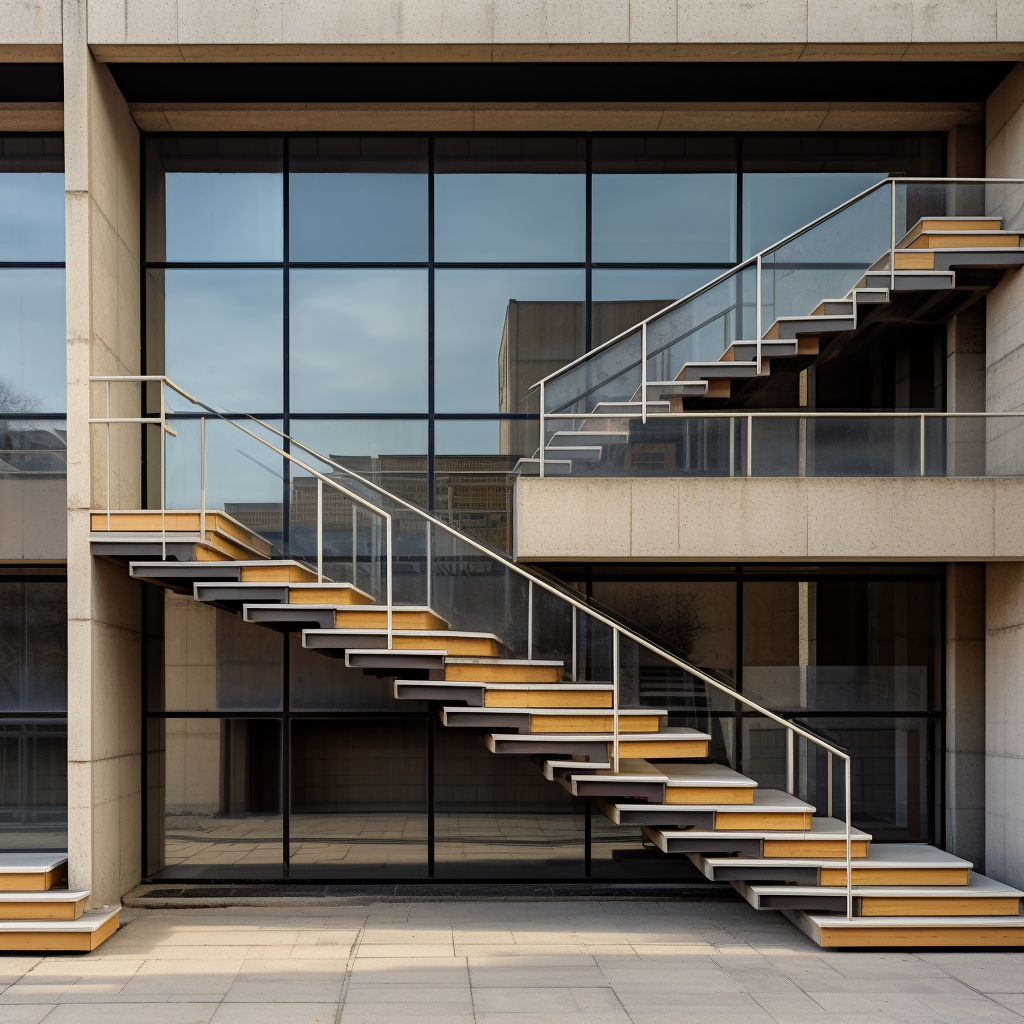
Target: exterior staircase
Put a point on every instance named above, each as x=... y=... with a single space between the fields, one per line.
x=38 y=912
x=777 y=851
x=917 y=279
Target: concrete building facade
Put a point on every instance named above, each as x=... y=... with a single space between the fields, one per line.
x=651 y=148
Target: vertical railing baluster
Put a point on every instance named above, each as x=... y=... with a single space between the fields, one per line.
x=790 y=761
x=108 y=453
x=732 y=446
x=163 y=475
x=643 y=372
x=849 y=837
x=320 y=529
x=922 y=446
x=430 y=566
x=574 y=644
x=750 y=445
x=202 y=478
x=615 y=700
x=529 y=621
x=892 y=238
x=543 y=439
x=829 y=783
x=355 y=545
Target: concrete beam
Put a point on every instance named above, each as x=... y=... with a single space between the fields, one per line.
x=769 y=519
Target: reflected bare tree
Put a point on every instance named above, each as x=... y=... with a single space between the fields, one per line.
x=13 y=400
x=669 y=612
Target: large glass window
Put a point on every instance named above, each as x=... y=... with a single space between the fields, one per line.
x=405 y=278
x=33 y=709
x=33 y=367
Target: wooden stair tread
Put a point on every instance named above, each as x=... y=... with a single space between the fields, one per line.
x=90 y=921
x=766 y=801
x=880 y=855
x=979 y=887
x=16 y=862
x=43 y=895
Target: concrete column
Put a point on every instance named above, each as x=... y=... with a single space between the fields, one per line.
x=104 y=605
x=965 y=391
x=965 y=711
x=1004 y=586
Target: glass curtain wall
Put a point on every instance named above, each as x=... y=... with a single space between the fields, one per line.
x=33 y=709
x=854 y=655
x=33 y=400
x=270 y=761
x=390 y=299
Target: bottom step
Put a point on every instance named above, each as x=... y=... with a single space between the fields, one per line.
x=81 y=935
x=834 y=931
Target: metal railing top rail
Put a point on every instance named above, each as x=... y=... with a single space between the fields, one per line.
x=618 y=629
x=753 y=261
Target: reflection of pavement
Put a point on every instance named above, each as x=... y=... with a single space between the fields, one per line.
x=373 y=840
x=34 y=840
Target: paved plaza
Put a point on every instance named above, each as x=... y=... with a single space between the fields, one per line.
x=511 y=962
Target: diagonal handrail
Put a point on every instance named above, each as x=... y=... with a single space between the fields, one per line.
x=619 y=629
x=754 y=260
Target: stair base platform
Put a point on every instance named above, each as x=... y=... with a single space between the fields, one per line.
x=78 y=936
x=836 y=932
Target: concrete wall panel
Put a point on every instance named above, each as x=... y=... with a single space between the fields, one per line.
x=558 y=29
x=33 y=513
x=764 y=519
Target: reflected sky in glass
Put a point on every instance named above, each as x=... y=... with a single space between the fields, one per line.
x=365 y=218
x=510 y=218
x=466 y=437
x=470 y=307
x=776 y=205
x=32 y=218
x=362 y=437
x=221 y=218
x=33 y=341
x=664 y=218
x=223 y=331
x=238 y=467
x=643 y=285
x=358 y=340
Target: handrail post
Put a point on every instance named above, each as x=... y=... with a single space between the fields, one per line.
x=202 y=478
x=750 y=445
x=320 y=531
x=790 y=762
x=390 y=594
x=543 y=438
x=892 y=238
x=643 y=372
x=163 y=475
x=757 y=311
x=829 y=783
x=615 y=699
x=529 y=620
x=430 y=566
x=108 y=455
x=922 y=445
x=355 y=545
x=849 y=838
x=732 y=446
x=574 y=644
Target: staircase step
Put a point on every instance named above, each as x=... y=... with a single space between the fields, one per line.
x=563 y=440
x=552 y=467
x=705 y=370
x=982 y=896
x=536 y=721
x=235 y=595
x=556 y=771
x=502 y=670
x=49 y=905
x=392 y=662
x=835 y=931
x=825 y=838
x=671 y=742
x=962 y=240
x=794 y=326
x=455 y=642
x=678 y=783
x=926 y=224
x=580 y=453
x=224 y=535
x=80 y=935
x=771 y=810
x=885 y=864
x=508 y=695
x=22 y=872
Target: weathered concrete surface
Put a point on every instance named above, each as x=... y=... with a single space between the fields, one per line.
x=769 y=518
x=468 y=30
x=33 y=513
x=521 y=962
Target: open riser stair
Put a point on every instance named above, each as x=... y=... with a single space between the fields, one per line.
x=39 y=913
x=776 y=849
x=922 y=284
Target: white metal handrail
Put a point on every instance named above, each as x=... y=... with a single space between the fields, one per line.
x=757 y=259
x=800 y=415
x=618 y=630
x=321 y=479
